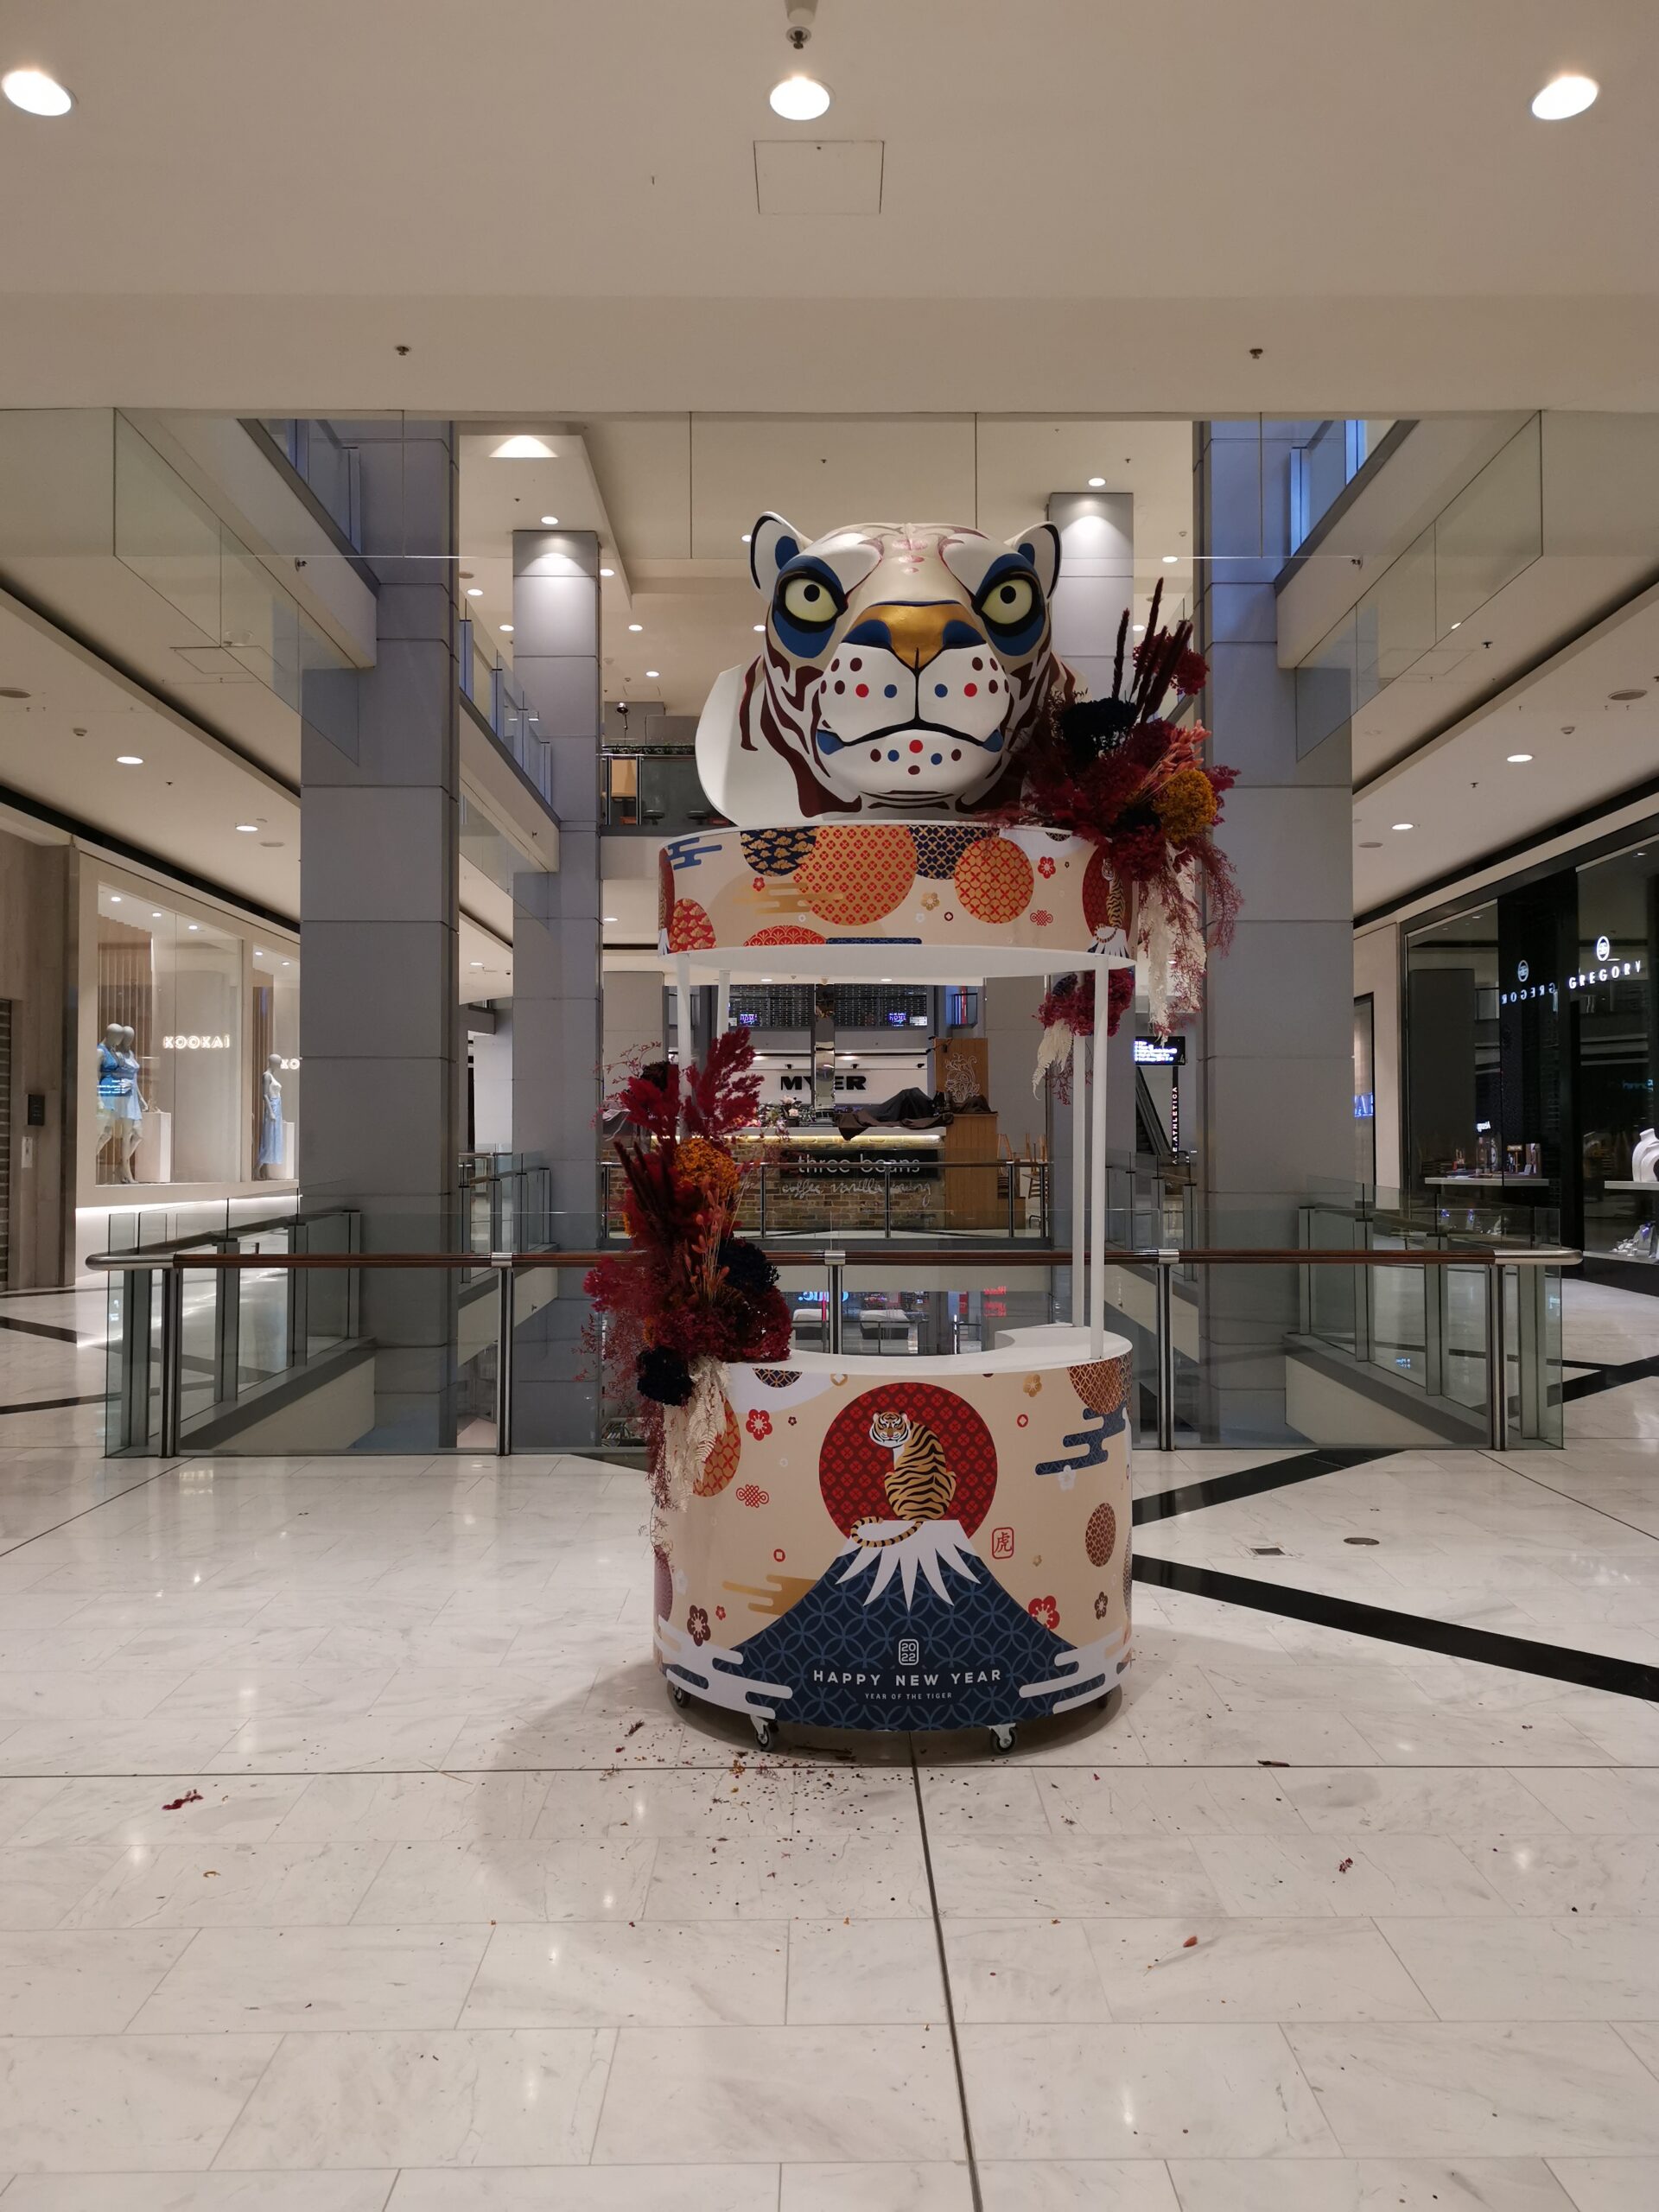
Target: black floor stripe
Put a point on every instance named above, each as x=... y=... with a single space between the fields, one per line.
x=1521 y=1654
x=54 y=1405
x=39 y=1329
x=1607 y=1378
x=1250 y=1482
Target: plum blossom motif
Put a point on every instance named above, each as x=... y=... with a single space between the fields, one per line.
x=759 y=1423
x=1046 y=1610
x=1103 y=1604
x=719 y=1612
x=697 y=1625
x=1045 y=866
x=1033 y=1386
x=930 y=900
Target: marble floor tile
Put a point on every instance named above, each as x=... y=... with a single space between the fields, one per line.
x=1148 y=2092
x=939 y=2188
x=123 y=2104
x=1169 y=1802
x=85 y=1981
x=506 y=1880
x=1080 y=2185
x=1608 y=2184
x=1598 y=1801
x=1615 y=1874
x=1034 y=1970
x=844 y=1971
x=586 y=2189
x=877 y=1877
x=1346 y=1874
x=1472 y=1803
x=235 y=1978
x=790 y=2094
x=513 y=2098
x=1368 y=2185
x=1306 y=1968
x=647 y=1973
x=1032 y=1878
x=40 y=1884
x=130 y=1812
x=213 y=1883
x=413 y=1807
x=200 y=2192
x=1461 y=2090
x=1588 y=1966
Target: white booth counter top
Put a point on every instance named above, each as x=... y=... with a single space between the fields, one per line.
x=1037 y=1348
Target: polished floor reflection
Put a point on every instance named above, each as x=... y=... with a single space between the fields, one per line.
x=351 y=1856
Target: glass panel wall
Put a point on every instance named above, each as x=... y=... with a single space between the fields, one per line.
x=1612 y=991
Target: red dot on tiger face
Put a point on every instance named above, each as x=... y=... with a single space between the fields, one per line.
x=915 y=744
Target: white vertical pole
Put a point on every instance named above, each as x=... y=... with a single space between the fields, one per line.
x=724 y=1002
x=1097 y=1194
x=1079 y=1177
x=682 y=1007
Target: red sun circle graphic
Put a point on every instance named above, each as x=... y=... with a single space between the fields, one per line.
x=852 y=1467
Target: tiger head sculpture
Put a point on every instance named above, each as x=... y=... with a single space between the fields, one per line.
x=904 y=665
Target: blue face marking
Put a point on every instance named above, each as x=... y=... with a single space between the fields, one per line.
x=890 y=691
x=941 y=690
x=827 y=742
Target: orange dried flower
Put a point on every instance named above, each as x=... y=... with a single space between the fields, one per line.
x=712 y=1170
x=1184 y=805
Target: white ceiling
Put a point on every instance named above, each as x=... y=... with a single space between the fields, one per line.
x=1086 y=204
x=671 y=497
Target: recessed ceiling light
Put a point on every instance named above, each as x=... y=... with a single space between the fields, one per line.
x=524 y=449
x=801 y=98
x=115 y=898
x=129 y=759
x=636 y=626
x=1405 y=825
x=1564 y=96
x=507 y=629
x=1139 y=628
x=1515 y=758
x=1170 y=559
x=1096 y=483
x=747 y=535
x=192 y=926
x=551 y=522
x=1639 y=693
x=607 y=572
x=474 y=964
x=475 y=591
x=36 y=94
x=249 y=829
x=12 y=691
x=609 y=917
x=259 y=952
x=761 y=627
x=653 y=672
x=155 y=913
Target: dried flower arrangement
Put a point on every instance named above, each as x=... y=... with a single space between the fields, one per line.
x=690 y=1293
x=1068 y=1011
x=1117 y=771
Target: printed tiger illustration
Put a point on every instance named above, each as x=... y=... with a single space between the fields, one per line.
x=919 y=1486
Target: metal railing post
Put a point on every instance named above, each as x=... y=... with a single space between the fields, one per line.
x=762 y=1229
x=172 y=1420
x=834 y=1264
x=504 y=1311
x=1013 y=1194
x=886 y=1198
x=1165 y=1286
x=1497 y=1377
x=227 y=1325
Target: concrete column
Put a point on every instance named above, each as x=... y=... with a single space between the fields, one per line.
x=379 y=1018
x=557 y=1039
x=1274 y=1045
x=1096 y=585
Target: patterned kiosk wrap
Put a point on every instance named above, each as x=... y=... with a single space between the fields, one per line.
x=896 y=896
x=924 y=1543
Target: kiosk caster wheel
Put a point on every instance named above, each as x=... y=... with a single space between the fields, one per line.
x=765 y=1733
x=1003 y=1736
x=680 y=1696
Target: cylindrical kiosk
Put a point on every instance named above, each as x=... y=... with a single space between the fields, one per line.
x=878 y=1542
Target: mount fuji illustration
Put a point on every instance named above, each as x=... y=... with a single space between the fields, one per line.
x=910 y=1630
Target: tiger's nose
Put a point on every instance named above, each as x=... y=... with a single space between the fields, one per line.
x=915 y=634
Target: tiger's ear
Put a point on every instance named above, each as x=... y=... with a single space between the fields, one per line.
x=1041 y=545
x=771 y=543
